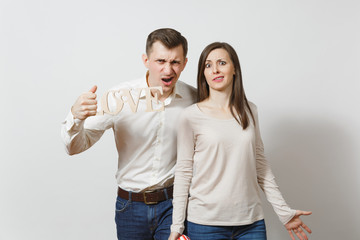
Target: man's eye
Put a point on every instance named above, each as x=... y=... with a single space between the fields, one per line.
x=160 y=60
x=175 y=62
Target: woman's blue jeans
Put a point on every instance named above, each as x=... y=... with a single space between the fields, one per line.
x=139 y=221
x=254 y=231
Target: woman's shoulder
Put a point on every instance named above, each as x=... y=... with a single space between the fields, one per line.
x=189 y=111
x=252 y=106
x=187 y=116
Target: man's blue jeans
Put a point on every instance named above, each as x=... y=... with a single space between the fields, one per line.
x=138 y=221
x=254 y=231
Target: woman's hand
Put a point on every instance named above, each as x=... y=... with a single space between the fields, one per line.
x=296 y=225
x=174 y=236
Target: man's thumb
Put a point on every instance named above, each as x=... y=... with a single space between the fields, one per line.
x=93 y=89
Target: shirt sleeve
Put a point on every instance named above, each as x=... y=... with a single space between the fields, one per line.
x=183 y=172
x=79 y=135
x=266 y=179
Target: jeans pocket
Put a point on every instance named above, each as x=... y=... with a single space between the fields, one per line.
x=121 y=204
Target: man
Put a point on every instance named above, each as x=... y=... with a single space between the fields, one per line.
x=145 y=135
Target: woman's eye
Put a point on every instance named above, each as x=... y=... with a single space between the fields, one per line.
x=222 y=63
x=207 y=65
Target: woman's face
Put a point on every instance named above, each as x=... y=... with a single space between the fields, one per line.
x=219 y=70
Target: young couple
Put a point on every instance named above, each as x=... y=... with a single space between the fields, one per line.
x=212 y=145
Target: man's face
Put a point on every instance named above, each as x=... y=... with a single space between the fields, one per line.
x=165 y=66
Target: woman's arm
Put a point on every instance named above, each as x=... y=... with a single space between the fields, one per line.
x=266 y=179
x=183 y=173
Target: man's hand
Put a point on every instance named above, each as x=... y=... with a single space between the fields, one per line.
x=174 y=236
x=296 y=225
x=86 y=105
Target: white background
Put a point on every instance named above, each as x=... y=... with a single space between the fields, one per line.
x=300 y=62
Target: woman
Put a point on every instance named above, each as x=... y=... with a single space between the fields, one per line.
x=221 y=161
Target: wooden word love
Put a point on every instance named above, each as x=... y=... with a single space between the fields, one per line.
x=123 y=95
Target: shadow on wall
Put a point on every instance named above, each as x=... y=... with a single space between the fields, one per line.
x=314 y=161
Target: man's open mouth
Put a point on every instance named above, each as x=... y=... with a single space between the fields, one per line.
x=167 y=79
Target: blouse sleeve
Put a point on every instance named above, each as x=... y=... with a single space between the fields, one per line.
x=266 y=179
x=183 y=172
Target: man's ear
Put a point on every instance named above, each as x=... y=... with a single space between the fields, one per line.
x=145 y=60
x=185 y=62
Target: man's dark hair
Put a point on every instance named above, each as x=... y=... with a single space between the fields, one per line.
x=169 y=37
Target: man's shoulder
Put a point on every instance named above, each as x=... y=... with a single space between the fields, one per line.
x=186 y=90
x=186 y=86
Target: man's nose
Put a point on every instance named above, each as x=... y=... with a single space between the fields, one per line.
x=167 y=68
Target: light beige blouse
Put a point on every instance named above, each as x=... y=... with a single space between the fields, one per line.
x=219 y=170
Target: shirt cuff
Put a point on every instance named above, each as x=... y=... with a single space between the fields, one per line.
x=285 y=220
x=177 y=228
x=72 y=123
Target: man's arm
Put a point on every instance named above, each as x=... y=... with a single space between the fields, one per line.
x=76 y=136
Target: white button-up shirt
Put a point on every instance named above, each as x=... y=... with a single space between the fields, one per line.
x=145 y=141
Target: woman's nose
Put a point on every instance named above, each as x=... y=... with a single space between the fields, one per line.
x=214 y=69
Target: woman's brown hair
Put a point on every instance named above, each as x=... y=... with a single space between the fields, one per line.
x=237 y=99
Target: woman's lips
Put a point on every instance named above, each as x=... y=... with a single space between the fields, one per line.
x=218 y=79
